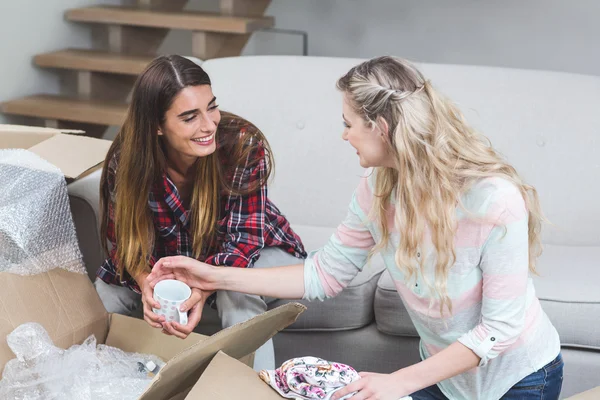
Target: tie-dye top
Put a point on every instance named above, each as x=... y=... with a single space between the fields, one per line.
x=495 y=311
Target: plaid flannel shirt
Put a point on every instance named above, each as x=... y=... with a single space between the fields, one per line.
x=246 y=224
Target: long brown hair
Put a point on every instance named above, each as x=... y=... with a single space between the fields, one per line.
x=140 y=152
x=438 y=156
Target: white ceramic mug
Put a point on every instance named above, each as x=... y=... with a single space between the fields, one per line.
x=171 y=294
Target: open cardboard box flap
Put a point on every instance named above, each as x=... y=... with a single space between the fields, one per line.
x=75 y=155
x=238 y=341
x=67 y=306
x=215 y=382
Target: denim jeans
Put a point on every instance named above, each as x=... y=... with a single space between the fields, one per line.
x=544 y=384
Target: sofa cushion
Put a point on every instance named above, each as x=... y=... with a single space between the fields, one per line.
x=313 y=237
x=390 y=314
x=570 y=299
x=568 y=290
x=295 y=103
x=365 y=349
x=351 y=309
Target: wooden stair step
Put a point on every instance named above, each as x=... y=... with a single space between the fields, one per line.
x=56 y=107
x=90 y=60
x=186 y=20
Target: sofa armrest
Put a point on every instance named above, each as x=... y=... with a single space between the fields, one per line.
x=84 y=197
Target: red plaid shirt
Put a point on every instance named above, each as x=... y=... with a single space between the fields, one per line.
x=246 y=224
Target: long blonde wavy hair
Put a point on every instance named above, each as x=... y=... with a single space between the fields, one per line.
x=437 y=156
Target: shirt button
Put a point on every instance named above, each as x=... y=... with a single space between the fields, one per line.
x=493 y=339
x=418 y=254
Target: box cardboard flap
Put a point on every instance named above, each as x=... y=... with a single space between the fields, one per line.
x=184 y=370
x=593 y=394
x=24 y=129
x=181 y=396
x=64 y=303
x=72 y=154
x=24 y=137
x=15 y=140
x=216 y=382
x=136 y=336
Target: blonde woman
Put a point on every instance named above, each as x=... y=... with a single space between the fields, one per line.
x=459 y=231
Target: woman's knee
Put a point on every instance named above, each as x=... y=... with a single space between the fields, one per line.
x=235 y=307
x=117 y=299
x=276 y=257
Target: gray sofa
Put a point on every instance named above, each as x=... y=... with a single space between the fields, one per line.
x=546 y=123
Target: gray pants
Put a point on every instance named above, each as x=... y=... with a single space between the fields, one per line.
x=233 y=307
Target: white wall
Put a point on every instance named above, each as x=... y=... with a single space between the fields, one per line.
x=29 y=27
x=557 y=35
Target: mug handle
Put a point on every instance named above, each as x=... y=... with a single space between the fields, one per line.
x=183 y=316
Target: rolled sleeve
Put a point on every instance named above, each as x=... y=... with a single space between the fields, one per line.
x=313 y=288
x=505 y=268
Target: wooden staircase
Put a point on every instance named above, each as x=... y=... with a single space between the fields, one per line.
x=97 y=83
x=188 y=20
x=91 y=60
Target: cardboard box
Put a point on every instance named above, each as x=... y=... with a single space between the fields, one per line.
x=593 y=394
x=75 y=155
x=216 y=385
x=69 y=308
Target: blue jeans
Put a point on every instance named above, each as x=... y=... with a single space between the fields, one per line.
x=544 y=384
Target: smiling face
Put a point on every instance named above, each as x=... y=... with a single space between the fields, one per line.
x=368 y=141
x=191 y=124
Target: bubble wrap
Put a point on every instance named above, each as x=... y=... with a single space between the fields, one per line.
x=42 y=371
x=37 y=232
